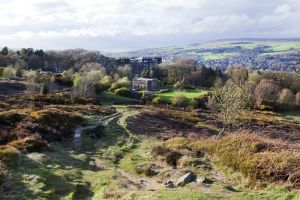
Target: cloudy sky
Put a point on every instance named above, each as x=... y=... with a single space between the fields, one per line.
x=116 y=25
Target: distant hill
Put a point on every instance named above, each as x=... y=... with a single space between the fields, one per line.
x=265 y=54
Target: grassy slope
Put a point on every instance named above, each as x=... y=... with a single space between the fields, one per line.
x=62 y=173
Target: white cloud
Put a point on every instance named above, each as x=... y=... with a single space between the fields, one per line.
x=282 y=9
x=126 y=23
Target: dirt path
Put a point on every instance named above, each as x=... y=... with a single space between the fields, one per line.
x=143 y=182
x=78 y=131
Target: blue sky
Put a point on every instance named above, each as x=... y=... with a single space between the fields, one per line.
x=116 y=25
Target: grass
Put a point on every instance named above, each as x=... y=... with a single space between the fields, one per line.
x=108 y=98
x=292 y=115
x=189 y=93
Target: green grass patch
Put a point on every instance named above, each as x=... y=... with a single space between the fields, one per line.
x=216 y=56
x=189 y=93
x=108 y=98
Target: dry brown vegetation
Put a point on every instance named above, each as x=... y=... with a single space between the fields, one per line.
x=256 y=157
x=29 y=126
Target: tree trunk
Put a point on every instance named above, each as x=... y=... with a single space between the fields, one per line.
x=222 y=131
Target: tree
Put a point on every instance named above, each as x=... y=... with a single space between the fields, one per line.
x=4 y=51
x=238 y=75
x=83 y=86
x=266 y=91
x=286 y=96
x=298 y=98
x=125 y=71
x=232 y=103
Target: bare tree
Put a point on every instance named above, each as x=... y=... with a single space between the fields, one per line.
x=298 y=98
x=266 y=90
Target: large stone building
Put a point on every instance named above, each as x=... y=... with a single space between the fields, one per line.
x=144 y=84
x=140 y=64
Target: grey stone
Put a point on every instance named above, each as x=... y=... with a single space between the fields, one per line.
x=187 y=178
x=170 y=185
x=204 y=180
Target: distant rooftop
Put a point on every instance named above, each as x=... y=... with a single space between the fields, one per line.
x=143 y=79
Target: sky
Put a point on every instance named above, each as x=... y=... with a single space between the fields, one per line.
x=123 y=25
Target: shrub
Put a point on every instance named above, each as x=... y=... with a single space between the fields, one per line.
x=159 y=150
x=146 y=169
x=8 y=154
x=172 y=158
x=123 y=82
x=3 y=172
x=123 y=92
x=1 y=71
x=180 y=100
x=286 y=96
x=258 y=158
x=177 y=142
x=9 y=73
x=185 y=161
x=29 y=144
x=158 y=100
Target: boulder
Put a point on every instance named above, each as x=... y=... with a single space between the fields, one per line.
x=170 y=185
x=204 y=180
x=187 y=178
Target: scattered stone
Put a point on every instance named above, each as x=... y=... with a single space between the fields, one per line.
x=170 y=185
x=187 y=178
x=230 y=188
x=204 y=180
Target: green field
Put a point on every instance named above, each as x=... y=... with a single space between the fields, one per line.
x=189 y=93
x=221 y=49
x=217 y=56
x=108 y=98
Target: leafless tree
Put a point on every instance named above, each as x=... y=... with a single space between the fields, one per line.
x=266 y=90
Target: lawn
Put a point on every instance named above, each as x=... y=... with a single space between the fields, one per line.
x=108 y=98
x=189 y=93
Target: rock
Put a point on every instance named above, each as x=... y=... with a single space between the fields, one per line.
x=187 y=178
x=170 y=185
x=204 y=180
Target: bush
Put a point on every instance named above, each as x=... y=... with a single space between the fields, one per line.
x=176 y=143
x=159 y=150
x=258 y=158
x=123 y=82
x=172 y=158
x=146 y=169
x=1 y=71
x=3 y=172
x=158 y=101
x=123 y=92
x=29 y=144
x=8 y=154
x=9 y=73
x=180 y=100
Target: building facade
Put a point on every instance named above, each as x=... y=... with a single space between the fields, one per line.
x=144 y=84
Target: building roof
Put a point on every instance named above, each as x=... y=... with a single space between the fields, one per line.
x=143 y=79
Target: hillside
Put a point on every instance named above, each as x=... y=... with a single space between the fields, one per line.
x=266 y=54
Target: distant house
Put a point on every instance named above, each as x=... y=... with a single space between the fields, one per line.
x=144 y=84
